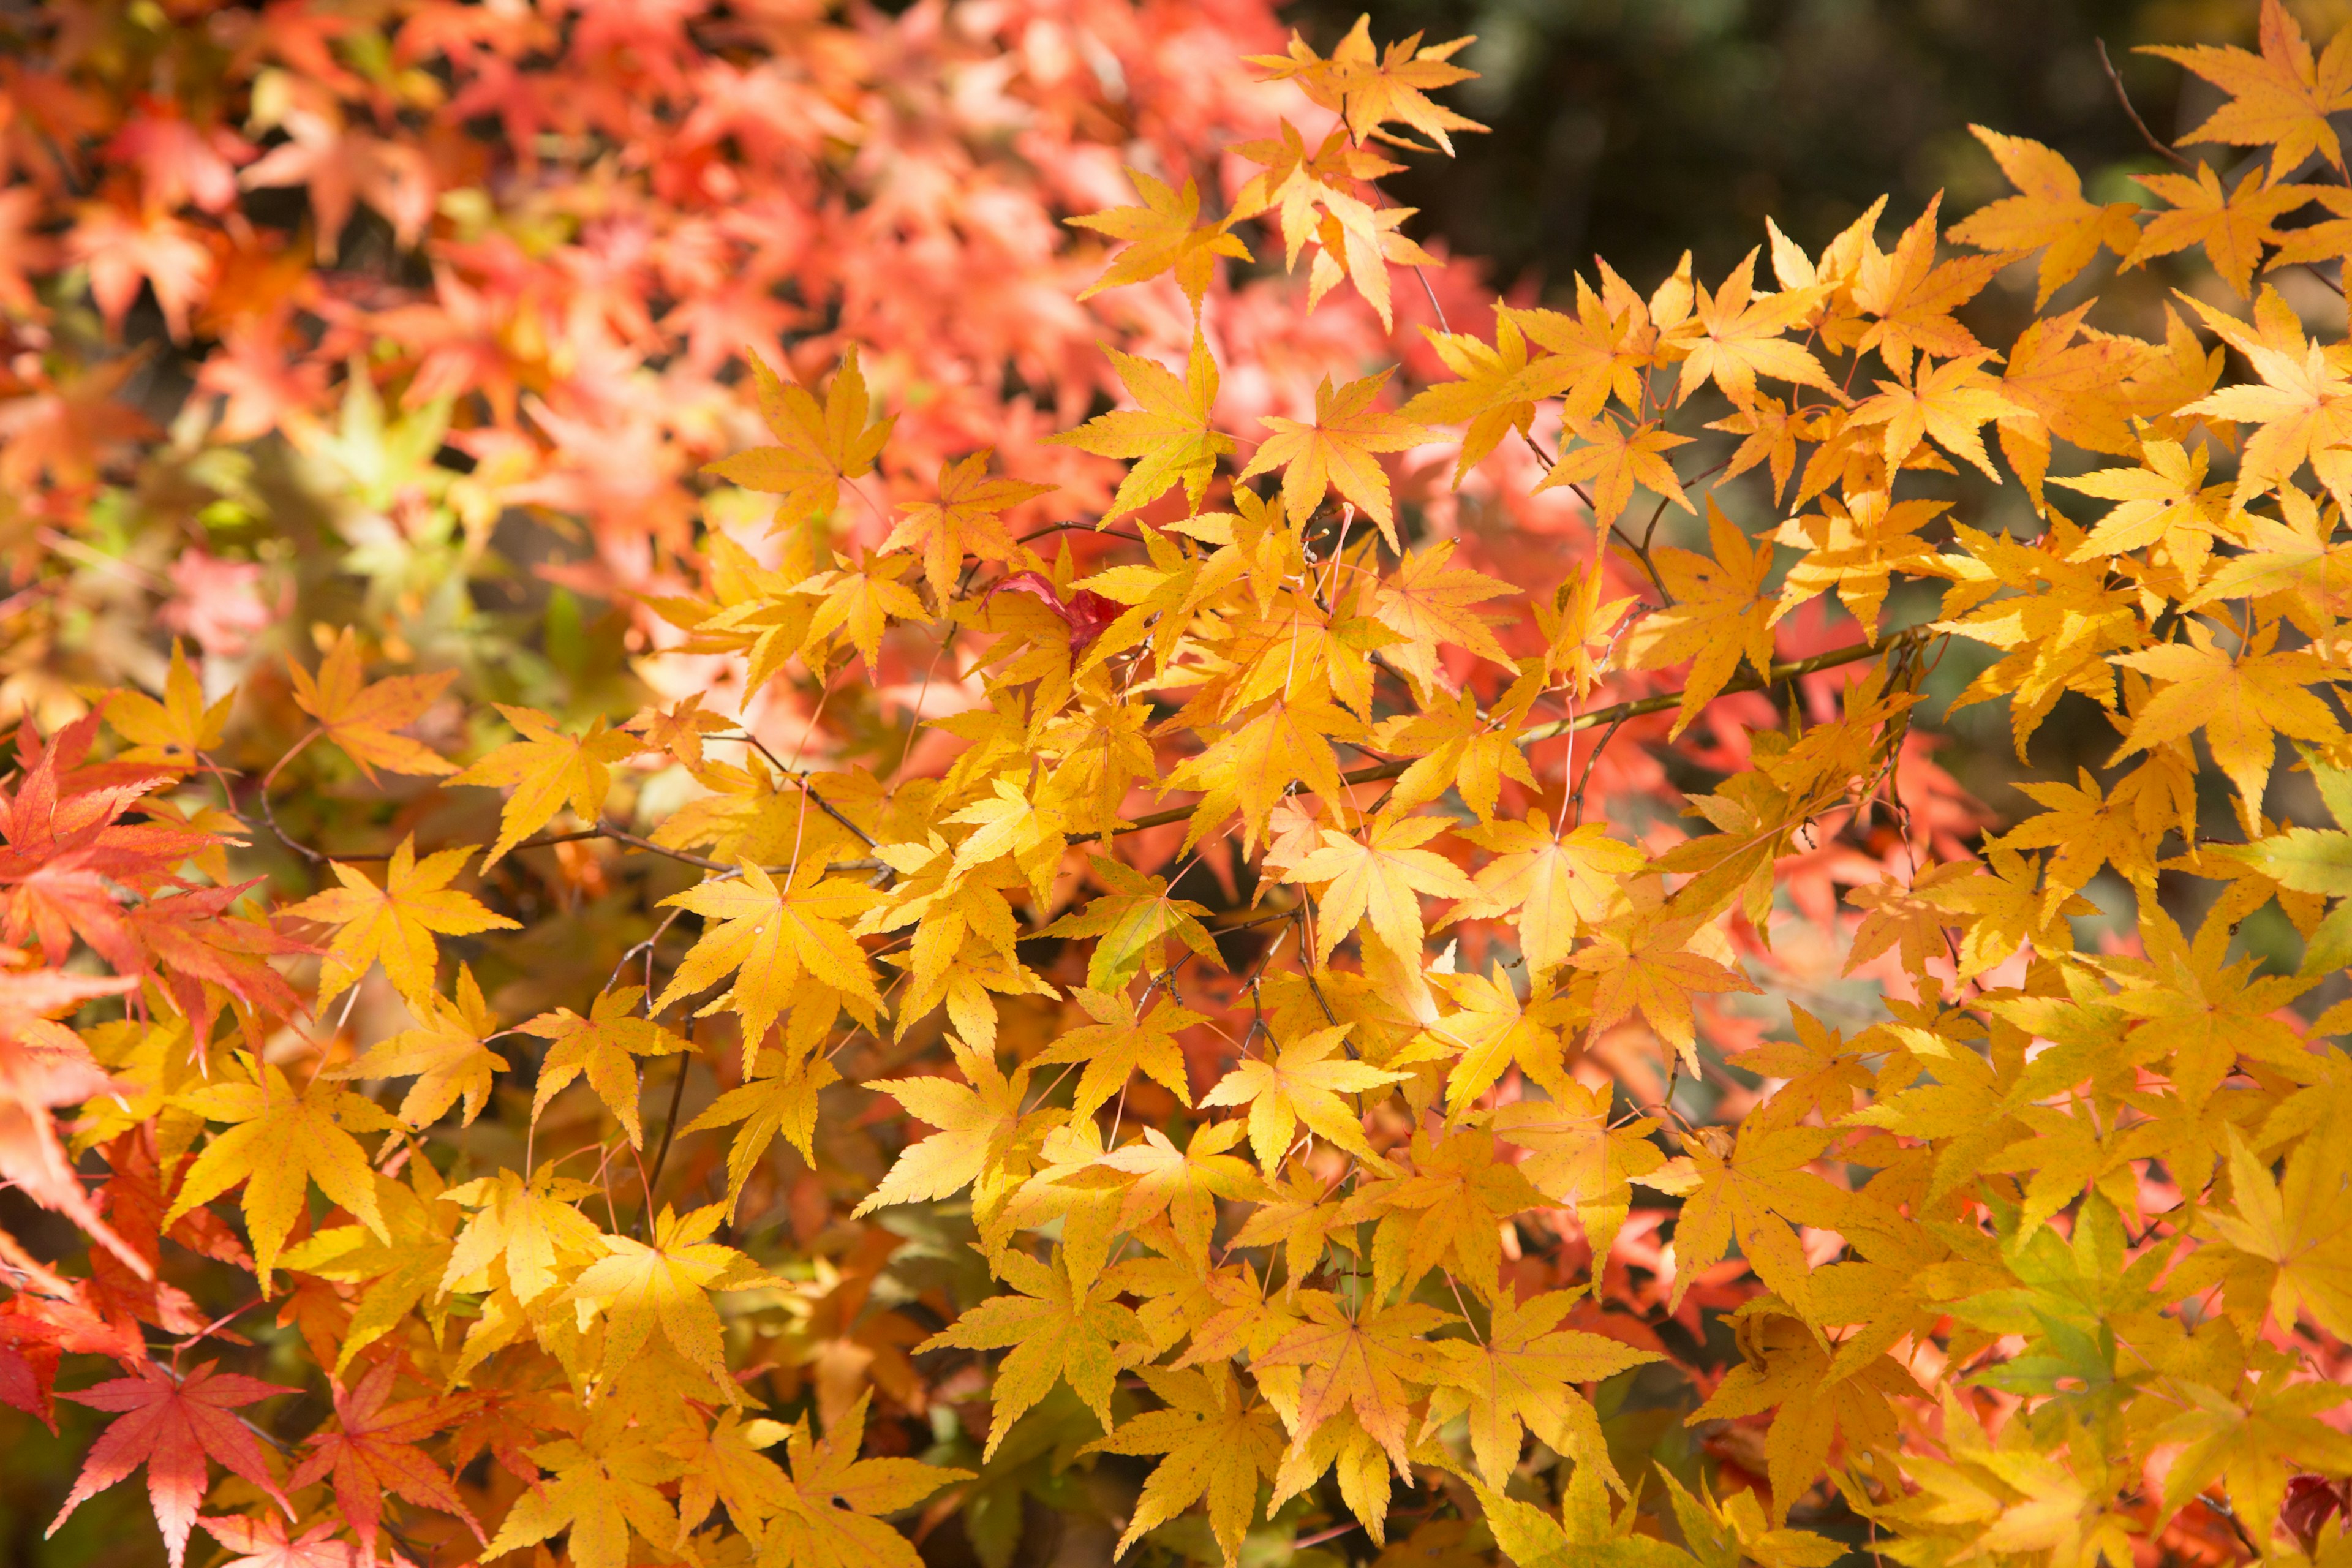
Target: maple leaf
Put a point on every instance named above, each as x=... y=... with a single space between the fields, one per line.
x=1185 y=1184
x=174 y=732
x=1361 y=1362
x=980 y=1126
x=1372 y=89
x=601 y=1046
x=361 y=718
x=1491 y=397
x=1056 y=1333
x=395 y=923
x=775 y=1102
x=2232 y=226
x=1751 y=1188
x=1301 y=1083
x=964 y=521
x=1913 y=297
x=1427 y=602
x=1859 y=547
x=2049 y=213
x=264 y=1543
x=2164 y=502
x=1558 y=883
x=666 y=1282
x=1217 y=1445
x=547 y=769
x=2281 y=98
x=1162 y=235
x=601 y=1487
x=1335 y=452
x=1517 y=1382
x=173 y=1426
x=2242 y=703
x=1131 y=923
x=1718 y=618
x=2304 y=405
x=1168 y=434
x=1616 y=455
x=830 y=1515
x=1492 y=1030
x=1379 y=879
x=817 y=448
x=861 y=600
x=1735 y=336
x=446 y=1054
x=1948 y=402
x=1117 y=1043
x=531 y=1227
x=277 y=1144
x=1576 y=1157
x=372 y=1455
x=771 y=936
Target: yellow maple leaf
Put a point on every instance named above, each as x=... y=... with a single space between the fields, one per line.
x=769 y=935
x=277 y=1144
x=981 y=1129
x=1217 y=1445
x=1300 y=1083
x=1168 y=435
x=1517 y=1379
x=174 y=732
x=818 y=447
x=2281 y=98
x=1056 y=1333
x=1358 y=1362
x=2232 y=226
x=667 y=1283
x=528 y=1226
x=1718 y=617
x=601 y=1045
x=1117 y=1043
x=1379 y=877
x=1950 y=402
x=1335 y=452
x=835 y=1512
x=2303 y=407
x=361 y=718
x=395 y=923
x=2049 y=213
x=445 y=1053
x=547 y=770
x=1163 y=235
x=1372 y=89
x=1753 y=1187
x=2296 y=1232
x=1616 y=455
x=1734 y=336
x=966 y=519
x=1557 y=882
x=2242 y=702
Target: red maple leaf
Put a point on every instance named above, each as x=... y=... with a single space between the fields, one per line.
x=172 y=1426
x=376 y=1452
x=263 y=1543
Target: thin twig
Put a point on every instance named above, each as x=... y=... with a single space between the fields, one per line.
x=2116 y=81
x=1618 y=713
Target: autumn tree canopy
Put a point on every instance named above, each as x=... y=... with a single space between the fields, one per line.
x=1209 y=895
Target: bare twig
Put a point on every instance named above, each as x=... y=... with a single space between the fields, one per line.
x=2115 y=80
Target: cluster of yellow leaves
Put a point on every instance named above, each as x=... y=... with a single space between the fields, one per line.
x=2059 y=1220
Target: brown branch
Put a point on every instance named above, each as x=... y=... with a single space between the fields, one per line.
x=2116 y=81
x=1616 y=714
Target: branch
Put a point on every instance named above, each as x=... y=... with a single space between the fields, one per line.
x=2116 y=81
x=1616 y=714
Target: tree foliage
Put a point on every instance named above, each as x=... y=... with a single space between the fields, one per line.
x=1147 y=970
